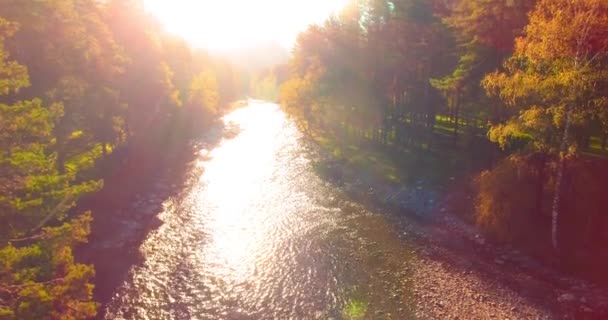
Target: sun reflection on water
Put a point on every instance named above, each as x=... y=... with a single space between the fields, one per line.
x=258 y=235
x=236 y=181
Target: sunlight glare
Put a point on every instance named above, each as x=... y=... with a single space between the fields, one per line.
x=218 y=24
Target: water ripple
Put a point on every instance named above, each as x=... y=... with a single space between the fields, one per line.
x=258 y=236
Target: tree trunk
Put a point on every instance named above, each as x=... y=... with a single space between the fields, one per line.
x=60 y=162
x=540 y=183
x=560 y=177
x=60 y=149
x=456 y=115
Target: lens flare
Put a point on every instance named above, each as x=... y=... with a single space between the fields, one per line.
x=240 y=23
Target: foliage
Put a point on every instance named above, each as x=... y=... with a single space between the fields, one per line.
x=79 y=78
x=559 y=64
x=463 y=79
x=505 y=199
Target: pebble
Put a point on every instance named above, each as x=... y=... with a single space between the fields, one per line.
x=566 y=297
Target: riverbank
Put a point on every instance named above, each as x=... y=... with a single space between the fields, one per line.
x=449 y=268
x=140 y=184
x=459 y=274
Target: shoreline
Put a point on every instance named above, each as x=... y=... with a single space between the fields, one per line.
x=458 y=273
x=126 y=210
x=461 y=274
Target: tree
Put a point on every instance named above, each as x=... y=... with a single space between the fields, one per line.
x=202 y=97
x=38 y=276
x=553 y=80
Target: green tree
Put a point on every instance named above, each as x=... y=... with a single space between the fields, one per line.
x=38 y=276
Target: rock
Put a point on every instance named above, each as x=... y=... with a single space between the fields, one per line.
x=566 y=297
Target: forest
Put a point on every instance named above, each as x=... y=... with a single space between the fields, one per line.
x=510 y=96
x=79 y=81
x=505 y=101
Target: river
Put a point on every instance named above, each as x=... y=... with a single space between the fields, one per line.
x=257 y=234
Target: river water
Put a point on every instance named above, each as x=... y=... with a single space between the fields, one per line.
x=257 y=234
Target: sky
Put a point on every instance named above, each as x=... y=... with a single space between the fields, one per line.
x=226 y=25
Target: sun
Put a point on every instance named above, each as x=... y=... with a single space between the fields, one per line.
x=221 y=24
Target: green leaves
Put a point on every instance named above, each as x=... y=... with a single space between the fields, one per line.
x=38 y=276
x=103 y=74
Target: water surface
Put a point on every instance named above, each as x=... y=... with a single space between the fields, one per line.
x=259 y=235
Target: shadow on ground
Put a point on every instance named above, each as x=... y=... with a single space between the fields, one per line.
x=137 y=184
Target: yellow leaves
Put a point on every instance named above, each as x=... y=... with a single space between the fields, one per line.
x=13 y=76
x=565 y=29
x=204 y=92
x=7 y=29
x=512 y=88
x=76 y=134
x=561 y=61
x=294 y=93
x=506 y=197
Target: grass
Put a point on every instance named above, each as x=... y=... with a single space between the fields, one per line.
x=355 y=309
x=386 y=164
x=367 y=161
x=595 y=147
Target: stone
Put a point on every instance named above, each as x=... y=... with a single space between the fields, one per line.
x=566 y=297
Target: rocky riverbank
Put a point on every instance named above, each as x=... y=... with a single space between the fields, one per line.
x=458 y=273
x=142 y=184
x=121 y=223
